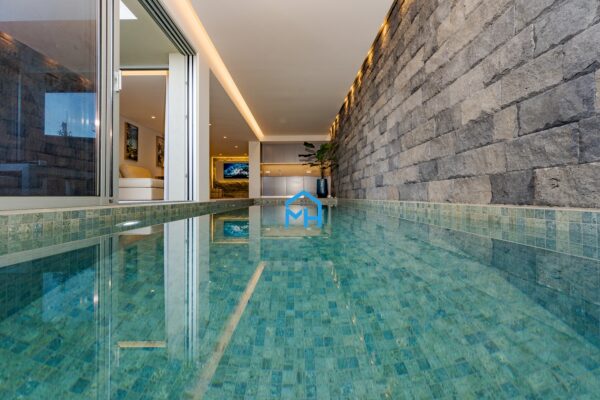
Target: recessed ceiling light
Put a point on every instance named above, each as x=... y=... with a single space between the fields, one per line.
x=220 y=154
x=308 y=171
x=125 y=13
x=267 y=172
x=235 y=147
x=153 y=117
x=224 y=137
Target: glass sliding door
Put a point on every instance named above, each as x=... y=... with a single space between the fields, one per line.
x=49 y=113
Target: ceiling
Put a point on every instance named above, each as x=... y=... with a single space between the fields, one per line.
x=143 y=97
x=293 y=62
x=226 y=121
x=143 y=43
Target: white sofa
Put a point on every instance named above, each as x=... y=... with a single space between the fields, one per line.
x=137 y=184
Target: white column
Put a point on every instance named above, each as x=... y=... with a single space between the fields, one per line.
x=201 y=142
x=175 y=288
x=176 y=146
x=254 y=161
x=255 y=221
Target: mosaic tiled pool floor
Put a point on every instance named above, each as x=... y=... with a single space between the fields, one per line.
x=231 y=306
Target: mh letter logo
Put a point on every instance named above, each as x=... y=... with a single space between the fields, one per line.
x=307 y=218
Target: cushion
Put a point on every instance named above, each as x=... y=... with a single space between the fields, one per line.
x=141 y=183
x=132 y=171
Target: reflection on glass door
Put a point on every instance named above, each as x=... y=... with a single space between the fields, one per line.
x=48 y=84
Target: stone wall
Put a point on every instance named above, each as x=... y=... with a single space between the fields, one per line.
x=477 y=101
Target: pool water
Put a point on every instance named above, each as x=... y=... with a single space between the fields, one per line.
x=235 y=306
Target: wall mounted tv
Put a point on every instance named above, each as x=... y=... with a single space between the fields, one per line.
x=70 y=114
x=236 y=229
x=238 y=170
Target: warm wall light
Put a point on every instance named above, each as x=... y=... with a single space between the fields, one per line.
x=235 y=147
x=153 y=117
x=145 y=72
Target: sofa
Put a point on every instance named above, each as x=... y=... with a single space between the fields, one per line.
x=138 y=184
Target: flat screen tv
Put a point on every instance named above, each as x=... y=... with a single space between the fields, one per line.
x=70 y=114
x=238 y=170
x=236 y=229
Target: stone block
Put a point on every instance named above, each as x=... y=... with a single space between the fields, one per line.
x=533 y=77
x=428 y=171
x=598 y=90
x=409 y=70
x=413 y=192
x=482 y=161
x=589 y=140
x=562 y=22
x=505 y=124
x=565 y=103
x=512 y=187
x=527 y=10
x=512 y=53
x=556 y=146
x=501 y=30
x=475 y=134
x=485 y=101
x=582 y=53
x=442 y=146
x=448 y=120
x=476 y=190
x=421 y=134
x=568 y=186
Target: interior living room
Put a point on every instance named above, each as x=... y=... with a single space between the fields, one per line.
x=145 y=59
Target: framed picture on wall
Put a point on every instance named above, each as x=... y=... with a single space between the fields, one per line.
x=131 y=142
x=160 y=151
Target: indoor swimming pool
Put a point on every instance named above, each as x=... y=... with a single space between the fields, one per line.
x=235 y=306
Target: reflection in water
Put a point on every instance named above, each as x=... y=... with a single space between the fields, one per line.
x=367 y=307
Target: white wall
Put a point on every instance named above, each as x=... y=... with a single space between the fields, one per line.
x=146 y=146
x=254 y=161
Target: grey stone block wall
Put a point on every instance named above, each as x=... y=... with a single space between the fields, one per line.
x=477 y=101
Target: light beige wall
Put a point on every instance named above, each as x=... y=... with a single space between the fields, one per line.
x=146 y=147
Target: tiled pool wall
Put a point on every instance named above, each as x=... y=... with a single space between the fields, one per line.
x=26 y=230
x=280 y=201
x=571 y=231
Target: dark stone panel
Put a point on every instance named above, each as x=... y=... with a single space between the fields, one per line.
x=513 y=187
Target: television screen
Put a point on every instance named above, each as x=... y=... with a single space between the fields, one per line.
x=236 y=229
x=235 y=171
x=70 y=114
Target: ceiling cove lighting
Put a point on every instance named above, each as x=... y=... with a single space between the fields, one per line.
x=125 y=13
x=186 y=17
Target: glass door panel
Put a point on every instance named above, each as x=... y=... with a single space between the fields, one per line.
x=49 y=109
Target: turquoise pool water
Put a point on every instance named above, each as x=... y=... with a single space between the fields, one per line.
x=234 y=306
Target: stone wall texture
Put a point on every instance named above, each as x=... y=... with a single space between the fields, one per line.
x=477 y=101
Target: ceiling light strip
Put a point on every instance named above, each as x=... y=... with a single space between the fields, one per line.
x=185 y=15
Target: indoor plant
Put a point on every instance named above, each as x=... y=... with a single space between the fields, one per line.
x=322 y=157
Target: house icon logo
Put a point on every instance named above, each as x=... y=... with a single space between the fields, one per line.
x=307 y=218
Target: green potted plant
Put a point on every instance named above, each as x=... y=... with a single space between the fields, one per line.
x=322 y=157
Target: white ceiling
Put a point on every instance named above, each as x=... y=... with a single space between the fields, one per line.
x=293 y=61
x=225 y=120
x=144 y=97
x=143 y=43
